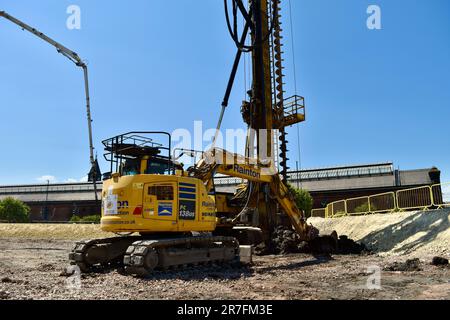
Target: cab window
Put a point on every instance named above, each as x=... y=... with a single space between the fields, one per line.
x=155 y=168
x=161 y=192
x=131 y=167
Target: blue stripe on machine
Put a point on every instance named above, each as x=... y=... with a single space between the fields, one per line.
x=190 y=185
x=187 y=196
x=187 y=190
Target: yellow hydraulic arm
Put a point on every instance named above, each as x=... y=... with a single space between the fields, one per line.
x=234 y=165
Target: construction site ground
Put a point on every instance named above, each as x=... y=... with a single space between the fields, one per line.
x=32 y=257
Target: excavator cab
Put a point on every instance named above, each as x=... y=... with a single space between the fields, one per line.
x=147 y=192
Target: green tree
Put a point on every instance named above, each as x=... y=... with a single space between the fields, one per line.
x=13 y=210
x=303 y=199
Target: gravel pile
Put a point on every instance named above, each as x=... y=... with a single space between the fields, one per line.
x=421 y=234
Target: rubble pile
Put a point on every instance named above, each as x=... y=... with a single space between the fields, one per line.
x=409 y=265
x=285 y=240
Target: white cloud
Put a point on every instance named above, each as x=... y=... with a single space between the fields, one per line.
x=45 y=178
x=53 y=179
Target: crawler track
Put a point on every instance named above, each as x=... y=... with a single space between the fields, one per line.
x=141 y=256
x=100 y=253
x=144 y=256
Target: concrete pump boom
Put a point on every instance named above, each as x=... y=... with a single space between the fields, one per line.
x=72 y=56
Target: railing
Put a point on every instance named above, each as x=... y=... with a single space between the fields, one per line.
x=319 y=213
x=357 y=206
x=416 y=198
x=441 y=193
x=294 y=110
x=51 y=188
x=421 y=198
x=383 y=203
x=339 y=208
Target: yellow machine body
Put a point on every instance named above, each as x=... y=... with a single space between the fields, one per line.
x=155 y=204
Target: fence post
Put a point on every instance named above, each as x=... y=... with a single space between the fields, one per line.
x=432 y=196
x=397 y=203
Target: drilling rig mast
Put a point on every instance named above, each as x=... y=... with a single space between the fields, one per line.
x=268 y=113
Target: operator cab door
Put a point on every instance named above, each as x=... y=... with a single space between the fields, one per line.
x=159 y=201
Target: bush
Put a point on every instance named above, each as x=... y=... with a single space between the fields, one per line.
x=91 y=219
x=75 y=219
x=303 y=199
x=13 y=210
x=364 y=208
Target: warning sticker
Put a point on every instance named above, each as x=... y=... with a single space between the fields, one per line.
x=110 y=206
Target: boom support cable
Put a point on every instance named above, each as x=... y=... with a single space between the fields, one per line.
x=295 y=86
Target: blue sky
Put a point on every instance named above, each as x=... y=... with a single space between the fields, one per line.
x=371 y=95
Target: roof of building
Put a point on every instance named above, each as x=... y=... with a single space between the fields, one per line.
x=60 y=192
x=372 y=176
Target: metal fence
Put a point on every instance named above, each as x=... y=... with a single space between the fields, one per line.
x=382 y=203
x=357 y=206
x=318 y=213
x=441 y=194
x=420 y=198
x=416 y=198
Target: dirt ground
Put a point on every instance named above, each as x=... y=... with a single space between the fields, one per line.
x=32 y=257
x=30 y=269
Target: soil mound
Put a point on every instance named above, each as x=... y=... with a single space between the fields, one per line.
x=285 y=241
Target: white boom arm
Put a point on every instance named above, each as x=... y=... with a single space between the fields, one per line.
x=72 y=56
